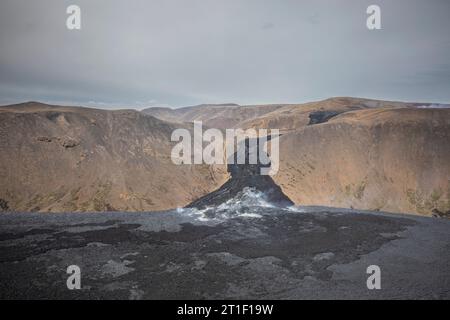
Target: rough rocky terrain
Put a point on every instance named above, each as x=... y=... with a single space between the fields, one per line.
x=241 y=252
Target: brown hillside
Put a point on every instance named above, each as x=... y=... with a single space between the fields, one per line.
x=379 y=159
x=344 y=152
x=296 y=116
x=221 y=116
x=80 y=159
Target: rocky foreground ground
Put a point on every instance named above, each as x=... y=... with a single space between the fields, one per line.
x=261 y=253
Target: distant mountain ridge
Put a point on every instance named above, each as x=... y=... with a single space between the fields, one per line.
x=220 y=116
x=231 y=115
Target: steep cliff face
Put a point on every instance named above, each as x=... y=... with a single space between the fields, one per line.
x=79 y=159
x=391 y=159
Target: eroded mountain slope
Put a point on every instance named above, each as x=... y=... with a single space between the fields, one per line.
x=79 y=159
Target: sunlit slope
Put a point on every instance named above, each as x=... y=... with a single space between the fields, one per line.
x=392 y=159
x=79 y=159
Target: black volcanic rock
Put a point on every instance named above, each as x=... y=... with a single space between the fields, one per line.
x=232 y=187
x=439 y=214
x=322 y=116
x=244 y=176
x=4 y=205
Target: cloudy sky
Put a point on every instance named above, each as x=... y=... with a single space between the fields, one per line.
x=140 y=53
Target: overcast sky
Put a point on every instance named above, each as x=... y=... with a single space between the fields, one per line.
x=139 y=53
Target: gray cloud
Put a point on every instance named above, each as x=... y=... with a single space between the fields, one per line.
x=174 y=52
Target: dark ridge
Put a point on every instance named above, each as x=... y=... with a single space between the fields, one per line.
x=244 y=176
x=317 y=117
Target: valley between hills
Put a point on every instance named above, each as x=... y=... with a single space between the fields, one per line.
x=340 y=152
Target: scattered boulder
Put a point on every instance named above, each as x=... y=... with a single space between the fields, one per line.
x=439 y=214
x=4 y=205
x=70 y=143
x=65 y=142
x=45 y=139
